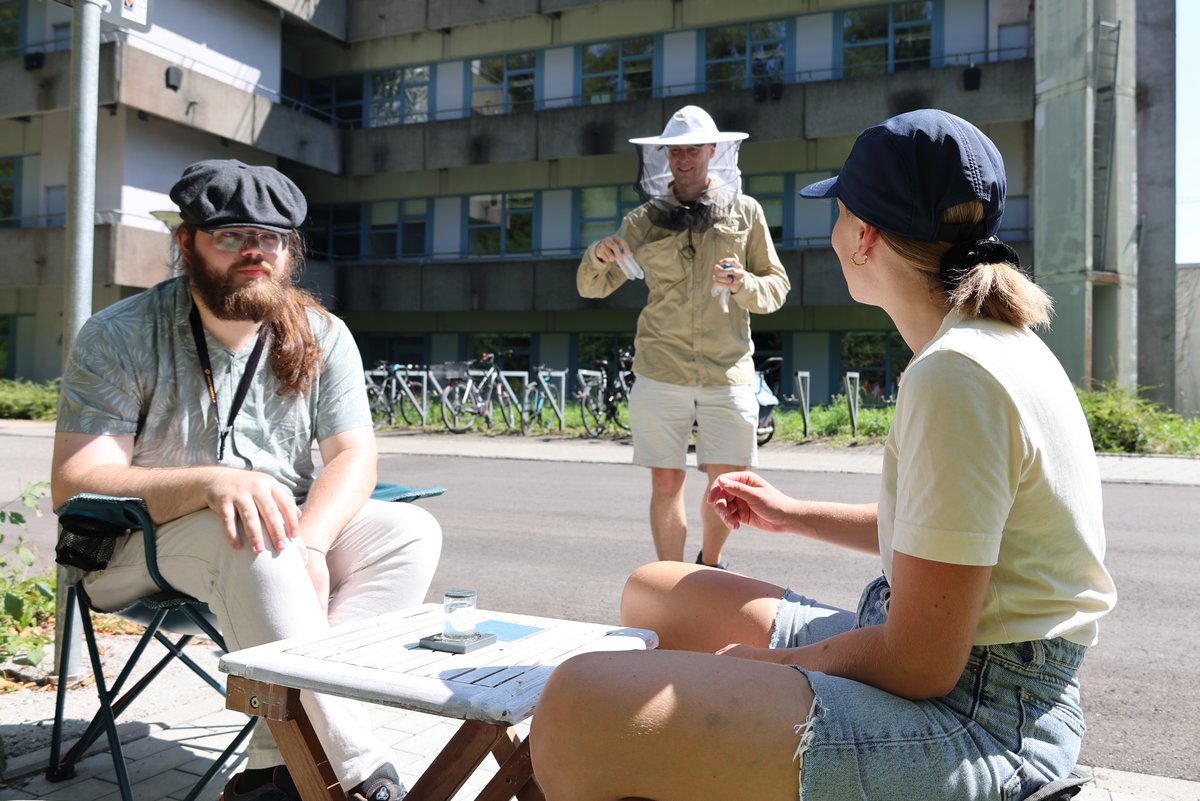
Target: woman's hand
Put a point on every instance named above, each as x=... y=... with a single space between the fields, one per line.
x=745 y=499
x=743 y=651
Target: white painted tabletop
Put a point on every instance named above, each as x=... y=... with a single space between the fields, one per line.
x=378 y=660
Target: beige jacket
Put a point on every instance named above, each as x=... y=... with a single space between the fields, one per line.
x=683 y=337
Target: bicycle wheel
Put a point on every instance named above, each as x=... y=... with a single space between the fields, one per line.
x=510 y=410
x=408 y=410
x=591 y=409
x=537 y=410
x=375 y=401
x=619 y=411
x=766 y=430
x=457 y=411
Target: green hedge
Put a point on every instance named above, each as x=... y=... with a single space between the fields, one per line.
x=25 y=400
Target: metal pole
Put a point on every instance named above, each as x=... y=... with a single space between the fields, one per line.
x=81 y=217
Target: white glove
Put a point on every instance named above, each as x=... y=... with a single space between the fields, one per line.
x=628 y=264
x=722 y=293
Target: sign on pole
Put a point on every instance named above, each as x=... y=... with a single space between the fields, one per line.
x=131 y=14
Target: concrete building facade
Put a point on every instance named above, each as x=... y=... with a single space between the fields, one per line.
x=459 y=156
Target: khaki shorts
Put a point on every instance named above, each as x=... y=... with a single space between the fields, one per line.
x=661 y=416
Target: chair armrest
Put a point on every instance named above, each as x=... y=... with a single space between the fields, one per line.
x=91 y=515
x=386 y=491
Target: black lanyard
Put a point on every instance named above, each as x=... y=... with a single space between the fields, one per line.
x=243 y=384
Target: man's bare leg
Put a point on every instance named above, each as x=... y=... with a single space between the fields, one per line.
x=715 y=533
x=668 y=518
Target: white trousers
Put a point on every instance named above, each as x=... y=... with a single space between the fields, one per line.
x=384 y=559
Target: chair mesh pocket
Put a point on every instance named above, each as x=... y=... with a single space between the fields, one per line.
x=85 y=552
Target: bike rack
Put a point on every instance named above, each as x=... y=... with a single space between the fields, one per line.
x=414 y=371
x=803 y=382
x=850 y=382
x=560 y=407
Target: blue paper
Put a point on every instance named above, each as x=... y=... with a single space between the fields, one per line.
x=506 y=632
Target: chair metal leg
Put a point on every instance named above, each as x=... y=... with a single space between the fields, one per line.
x=54 y=770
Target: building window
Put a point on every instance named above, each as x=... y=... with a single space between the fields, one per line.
x=503 y=84
x=738 y=56
x=337 y=99
x=10 y=28
x=519 y=344
x=613 y=71
x=888 y=38
x=771 y=191
x=878 y=357
x=397 y=229
x=335 y=232
x=500 y=224
x=10 y=206
x=601 y=209
x=399 y=95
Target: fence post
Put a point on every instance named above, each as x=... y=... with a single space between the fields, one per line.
x=803 y=383
x=851 y=382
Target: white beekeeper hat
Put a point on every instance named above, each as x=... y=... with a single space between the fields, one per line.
x=691 y=125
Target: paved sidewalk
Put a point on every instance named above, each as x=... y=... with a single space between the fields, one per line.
x=174 y=742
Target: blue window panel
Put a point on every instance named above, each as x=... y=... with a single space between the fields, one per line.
x=887 y=38
x=618 y=70
x=599 y=211
x=10 y=192
x=11 y=28
x=503 y=84
x=743 y=55
x=400 y=95
x=501 y=224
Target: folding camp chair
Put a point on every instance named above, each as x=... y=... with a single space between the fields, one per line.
x=92 y=519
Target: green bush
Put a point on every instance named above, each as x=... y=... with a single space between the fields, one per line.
x=1122 y=422
x=28 y=600
x=25 y=400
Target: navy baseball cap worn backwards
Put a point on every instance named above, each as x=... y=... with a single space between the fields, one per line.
x=225 y=193
x=903 y=173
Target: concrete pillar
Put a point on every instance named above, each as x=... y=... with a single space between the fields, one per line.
x=1094 y=332
x=1156 y=200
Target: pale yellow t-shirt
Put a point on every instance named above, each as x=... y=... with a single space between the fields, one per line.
x=989 y=462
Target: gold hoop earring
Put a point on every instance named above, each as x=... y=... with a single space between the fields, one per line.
x=856 y=262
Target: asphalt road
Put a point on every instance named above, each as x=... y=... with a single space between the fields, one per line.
x=558 y=539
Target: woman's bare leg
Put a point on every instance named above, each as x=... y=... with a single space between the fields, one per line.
x=669 y=726
x=694 y=608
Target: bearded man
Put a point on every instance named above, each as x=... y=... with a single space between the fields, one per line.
x=203 y=396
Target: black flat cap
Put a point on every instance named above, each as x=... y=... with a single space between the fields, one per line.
x=225 y=193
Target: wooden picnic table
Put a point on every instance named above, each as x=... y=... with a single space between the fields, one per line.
x=379 y=661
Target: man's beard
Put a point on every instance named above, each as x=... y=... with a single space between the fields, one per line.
x=256 y=301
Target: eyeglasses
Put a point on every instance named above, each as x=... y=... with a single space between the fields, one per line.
x=236 y=241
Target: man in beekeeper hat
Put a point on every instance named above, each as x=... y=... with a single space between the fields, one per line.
x=706 y=254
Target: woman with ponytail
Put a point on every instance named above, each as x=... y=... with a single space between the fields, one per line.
x=955 y=679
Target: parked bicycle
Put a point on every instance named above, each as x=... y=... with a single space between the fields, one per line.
x=603 y=394
x=392 y=392
x=541 y=408
x=470 y=396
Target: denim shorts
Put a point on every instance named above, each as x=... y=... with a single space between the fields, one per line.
x=1012 y=723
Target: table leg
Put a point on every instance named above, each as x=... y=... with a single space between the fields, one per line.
x=515 y=777
x=293 y=732
x=504 y=751
x=450 y=769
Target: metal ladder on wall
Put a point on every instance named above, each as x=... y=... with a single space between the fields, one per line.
x=1108 y=38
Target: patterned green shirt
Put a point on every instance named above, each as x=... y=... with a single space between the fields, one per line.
x=134 y=370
